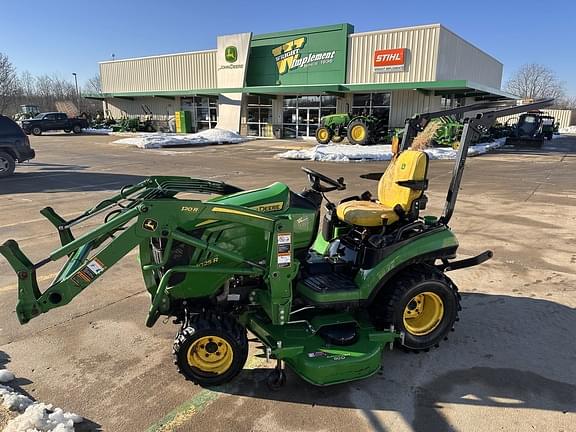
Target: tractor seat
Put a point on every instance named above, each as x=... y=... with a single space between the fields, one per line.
x=399 y=191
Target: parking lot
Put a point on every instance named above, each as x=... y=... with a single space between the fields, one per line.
x=510 y=365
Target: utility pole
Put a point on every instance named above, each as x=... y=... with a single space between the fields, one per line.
x=77 y=92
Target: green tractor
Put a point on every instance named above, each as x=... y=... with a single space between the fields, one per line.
x=362 y=129
x=326 y=302
x=26 y=112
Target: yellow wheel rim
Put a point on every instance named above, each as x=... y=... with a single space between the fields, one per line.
x=322 y=134
x=358 y=132
x=423 y=313
x=211 y=354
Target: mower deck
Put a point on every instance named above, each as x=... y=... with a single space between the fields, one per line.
x=319 y=352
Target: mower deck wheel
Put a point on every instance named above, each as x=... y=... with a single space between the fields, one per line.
x=276 y=379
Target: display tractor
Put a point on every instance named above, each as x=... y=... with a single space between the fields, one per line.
x=359 y=129
x=26 y=112
x=326 y=302
x=531 y=130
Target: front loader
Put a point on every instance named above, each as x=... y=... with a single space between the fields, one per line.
x=325 y=301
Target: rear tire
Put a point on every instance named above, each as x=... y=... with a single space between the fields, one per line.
x=77 y=129
x=423 y=303
x=211 y=350
x=323 y=135
x=7 y=164
x=36 y=131
x=358 y=133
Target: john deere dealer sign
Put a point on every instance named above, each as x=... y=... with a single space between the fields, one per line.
x=299 y=57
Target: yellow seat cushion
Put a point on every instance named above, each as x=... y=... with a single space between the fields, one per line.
x=409 y=165
x=366 y=213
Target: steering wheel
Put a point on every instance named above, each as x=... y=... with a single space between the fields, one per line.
x=315 y=178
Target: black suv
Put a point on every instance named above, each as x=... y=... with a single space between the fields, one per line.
x=14 y=146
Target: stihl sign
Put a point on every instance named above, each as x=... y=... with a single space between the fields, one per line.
x=389 y=60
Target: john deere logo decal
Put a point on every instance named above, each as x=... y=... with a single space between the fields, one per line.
x=150 y=225
x=231 y=54
x=289 y=57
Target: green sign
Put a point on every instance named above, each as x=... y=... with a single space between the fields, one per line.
x=288 y=56
x=231 y=54
x=299 y=57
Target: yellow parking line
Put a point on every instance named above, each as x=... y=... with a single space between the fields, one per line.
x=180 y=415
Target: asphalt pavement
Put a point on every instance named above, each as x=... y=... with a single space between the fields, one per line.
x=510 y=365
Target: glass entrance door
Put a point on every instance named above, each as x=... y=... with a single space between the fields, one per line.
x=308 y=121
x=301 y=114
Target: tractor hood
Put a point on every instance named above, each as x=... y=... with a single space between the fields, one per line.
x=275 y=197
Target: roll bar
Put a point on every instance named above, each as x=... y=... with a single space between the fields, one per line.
x=483 y=116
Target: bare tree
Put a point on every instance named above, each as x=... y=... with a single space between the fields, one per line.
x=93 y=85
x=8 y=83
x=568 y=102
x=534 y=81
x=27 y=84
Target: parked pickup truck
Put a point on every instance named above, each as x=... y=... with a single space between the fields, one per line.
x=53 y=121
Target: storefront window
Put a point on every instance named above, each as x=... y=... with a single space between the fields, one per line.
x=204 y=111
x=259 y=116
x=329 y=101
x=290 y=101
x=376 y=104
x=301 y=114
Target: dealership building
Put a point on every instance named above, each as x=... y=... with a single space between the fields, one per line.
x=280 y=84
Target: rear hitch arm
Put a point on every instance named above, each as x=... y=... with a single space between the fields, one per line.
x=468 y=262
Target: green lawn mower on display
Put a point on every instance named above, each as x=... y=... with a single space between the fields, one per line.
x=360 y=129
x=324 y=301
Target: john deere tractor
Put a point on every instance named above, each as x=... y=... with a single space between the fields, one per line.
x=325 y=302
x=359 y=129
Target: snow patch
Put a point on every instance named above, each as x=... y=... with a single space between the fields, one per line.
x=40 y=417
x=568 y=130
x=347 y=153
x=6 y=375
x=92 y=131
x=205 y=137
x=13 y=400
x=35 y=416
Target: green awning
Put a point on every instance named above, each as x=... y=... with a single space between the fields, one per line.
x=464 y=87
x=459 y=87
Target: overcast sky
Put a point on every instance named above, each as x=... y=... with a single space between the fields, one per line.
x=69 y=36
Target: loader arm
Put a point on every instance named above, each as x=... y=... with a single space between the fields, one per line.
x=136 y=215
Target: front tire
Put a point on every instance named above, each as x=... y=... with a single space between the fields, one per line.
x=323 y=135
x=423 y=303
x=36 y=131
x=211 y=350
x=7 y=164
x=77 y=129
